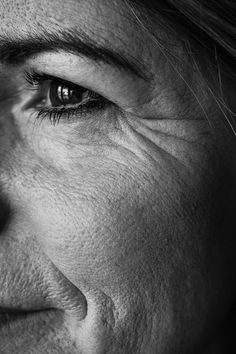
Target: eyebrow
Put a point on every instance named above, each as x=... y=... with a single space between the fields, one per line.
x=15 y=51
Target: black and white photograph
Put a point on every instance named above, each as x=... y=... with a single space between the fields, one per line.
x=117 y=176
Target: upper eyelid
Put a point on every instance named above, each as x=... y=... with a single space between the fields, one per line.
x=32 y=77
x=35 y=79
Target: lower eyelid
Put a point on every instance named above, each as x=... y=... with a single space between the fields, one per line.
x=70 y=115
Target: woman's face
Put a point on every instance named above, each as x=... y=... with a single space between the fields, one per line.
x=116 y=215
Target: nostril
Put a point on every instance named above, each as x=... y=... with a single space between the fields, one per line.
x=4 y=214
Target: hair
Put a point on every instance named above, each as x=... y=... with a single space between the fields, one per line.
x=208 y=30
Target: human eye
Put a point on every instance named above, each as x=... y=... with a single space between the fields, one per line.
x=57 y=99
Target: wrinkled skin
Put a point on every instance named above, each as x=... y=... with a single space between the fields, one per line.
x=122 y=221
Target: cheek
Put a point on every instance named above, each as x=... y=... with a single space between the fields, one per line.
x=139 y=227
x=110 y=223
x=99 y=225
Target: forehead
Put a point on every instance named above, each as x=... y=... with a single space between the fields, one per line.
x=43 y=11
x=107 y=22
x=104 y=19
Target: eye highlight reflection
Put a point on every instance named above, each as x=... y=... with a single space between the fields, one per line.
x=62 y=94
x=58 y=99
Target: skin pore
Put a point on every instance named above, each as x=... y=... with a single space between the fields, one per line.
x=117 y=222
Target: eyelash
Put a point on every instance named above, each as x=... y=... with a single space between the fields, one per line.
x=36 y=81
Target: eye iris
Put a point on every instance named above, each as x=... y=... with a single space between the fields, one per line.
x=62 y=94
